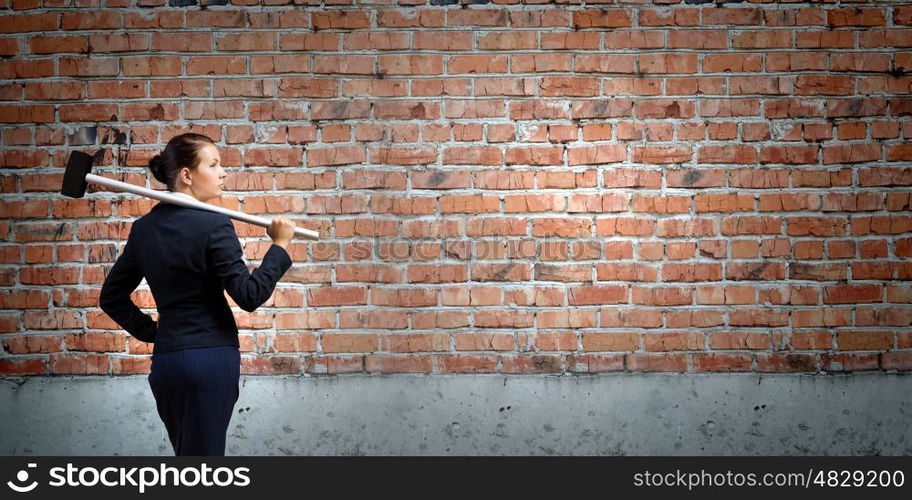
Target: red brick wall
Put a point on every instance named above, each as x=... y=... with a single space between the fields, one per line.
x=500 y=188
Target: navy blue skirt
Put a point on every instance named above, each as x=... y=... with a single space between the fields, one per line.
x=195 y=392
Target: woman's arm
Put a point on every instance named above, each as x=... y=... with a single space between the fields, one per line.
x=115 y=301
x=224 y=254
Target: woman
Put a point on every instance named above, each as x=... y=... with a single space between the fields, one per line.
x=190 y=257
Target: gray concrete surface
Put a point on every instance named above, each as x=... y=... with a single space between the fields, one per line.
x=604 y=414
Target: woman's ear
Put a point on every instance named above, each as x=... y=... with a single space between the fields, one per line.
x=184 y=175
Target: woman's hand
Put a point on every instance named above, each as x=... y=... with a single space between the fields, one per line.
x=281 y=231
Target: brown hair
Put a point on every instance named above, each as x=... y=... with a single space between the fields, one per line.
x=181 y=151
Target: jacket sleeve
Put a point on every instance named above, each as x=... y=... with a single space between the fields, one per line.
x=115 y=301
x=225 y=257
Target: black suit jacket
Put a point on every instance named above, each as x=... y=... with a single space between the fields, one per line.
x=189 y=257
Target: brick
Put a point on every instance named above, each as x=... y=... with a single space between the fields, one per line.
x=479 y=155
x=376 y=40
x=507 y=40
x=338 y=155
x=568 y=86
x=340 y=20
x=336 y=295
x=566 y=41
x=410 y=19
x=410 y=64
x=540 y=63
x=561 y=227
x=590 y=155
x=668 y=63
x=601 y=18
x=473 y=203
x=534 y=156
x=479 y=17
x=852 y=153
x=477 y=64
x=403 y=155
x=759 y=39
x=856 y=17
x=656 y=363
x=596 y=341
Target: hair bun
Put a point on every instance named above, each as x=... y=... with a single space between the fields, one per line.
x=155 y=165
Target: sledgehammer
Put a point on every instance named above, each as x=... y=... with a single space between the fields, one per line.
x=77 y=177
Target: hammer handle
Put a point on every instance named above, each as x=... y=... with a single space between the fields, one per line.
x=187 y=202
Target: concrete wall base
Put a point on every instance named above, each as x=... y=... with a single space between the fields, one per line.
x=490 y=414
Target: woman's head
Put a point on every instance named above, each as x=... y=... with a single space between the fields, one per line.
x=190 y=164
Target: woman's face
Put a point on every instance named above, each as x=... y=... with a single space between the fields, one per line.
x=207 y=181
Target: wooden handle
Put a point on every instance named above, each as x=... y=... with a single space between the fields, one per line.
x=187 y=202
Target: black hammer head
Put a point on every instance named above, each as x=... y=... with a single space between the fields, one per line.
x=74 y=179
